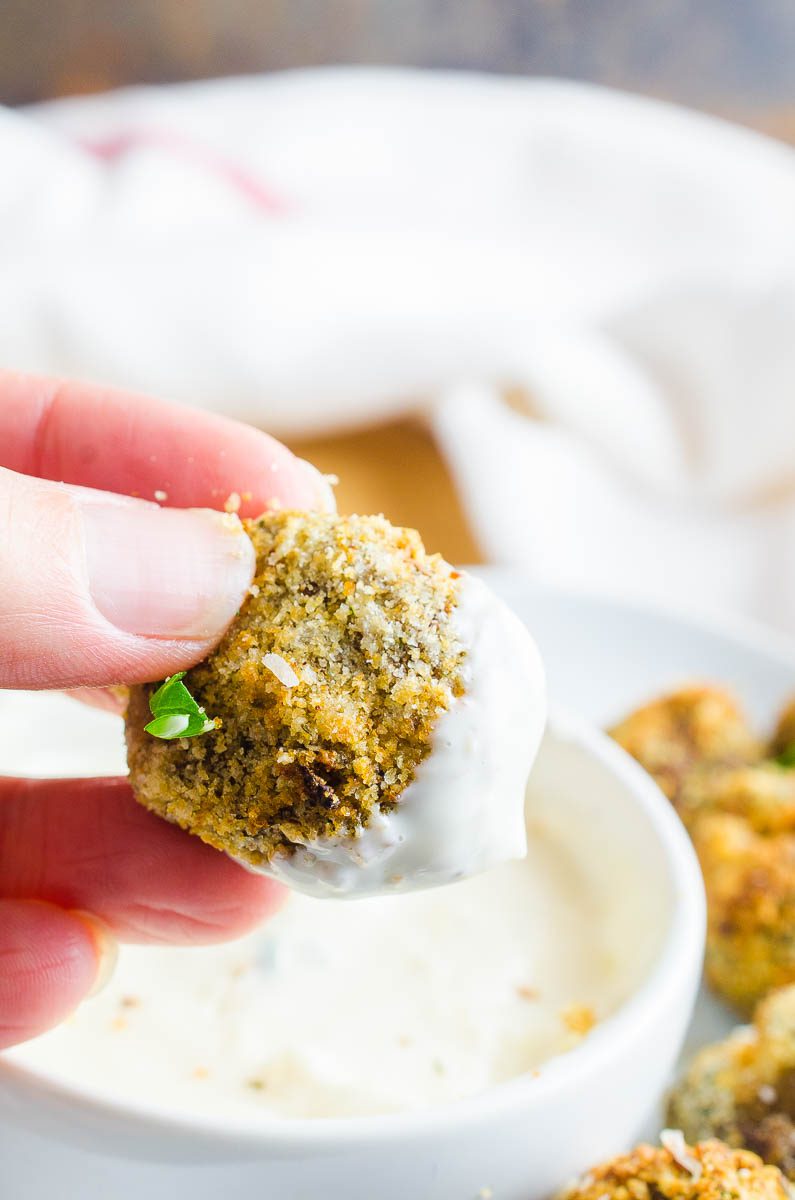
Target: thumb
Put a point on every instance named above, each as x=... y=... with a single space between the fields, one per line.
x=99 y=588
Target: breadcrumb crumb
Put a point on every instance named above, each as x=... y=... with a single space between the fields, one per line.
x=708 y=1171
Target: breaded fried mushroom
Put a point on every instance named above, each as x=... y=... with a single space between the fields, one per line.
x=695 y=726
x=742 y=1090
x=763 y=794
x=740 y=812
x=316 y=714
x=783 y=741
x=676 y=1171
x=743 y=828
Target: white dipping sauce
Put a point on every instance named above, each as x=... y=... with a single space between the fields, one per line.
x=386 y=1004
x=389 y=1004
x=464 y=810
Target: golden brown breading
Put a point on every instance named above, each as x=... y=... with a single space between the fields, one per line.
x=327 y=687
x=764 y=794
x=784 y=734
x=742 y=822
x=750 y=884
x=740 y=812
x=691 y=727
x=709 y=1171
x=742 y=1090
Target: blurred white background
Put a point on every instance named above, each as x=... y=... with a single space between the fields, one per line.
x=548 y=323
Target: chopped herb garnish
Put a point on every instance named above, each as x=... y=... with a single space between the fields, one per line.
x=176 y=714
x=787 y=756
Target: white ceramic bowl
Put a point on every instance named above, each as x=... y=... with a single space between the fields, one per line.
x=520 y=1139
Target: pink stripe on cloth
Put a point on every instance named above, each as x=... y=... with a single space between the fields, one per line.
x=242 y=181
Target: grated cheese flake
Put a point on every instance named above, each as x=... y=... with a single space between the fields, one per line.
x=280 y=667
x=674 y=1142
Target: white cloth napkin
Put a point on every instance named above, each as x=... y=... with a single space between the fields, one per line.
x=320 y=248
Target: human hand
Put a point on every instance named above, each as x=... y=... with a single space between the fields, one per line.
x=99 y=588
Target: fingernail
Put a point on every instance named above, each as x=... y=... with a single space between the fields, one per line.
x=320 y=485
x=105 y=946
x=166 y=572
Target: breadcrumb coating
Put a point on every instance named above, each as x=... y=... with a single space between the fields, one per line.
x=693 y=726
x=709 y=1171
x=763 y=794
x=739 y=808
x=742 y=1090
x=750 y=884
x=326 y=689
x=784 y=733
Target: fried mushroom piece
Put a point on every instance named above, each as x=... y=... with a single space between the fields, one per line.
x=324 y=691
x=742 y=1090
x=742 y=824
x=676 y=1171
x=740 y=812
x=690 y=728
x=784 y=736
x=762 y=793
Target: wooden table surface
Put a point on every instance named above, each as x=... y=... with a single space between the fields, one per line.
x=397 y=470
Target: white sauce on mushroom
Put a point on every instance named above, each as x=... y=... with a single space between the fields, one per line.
x=463 y=811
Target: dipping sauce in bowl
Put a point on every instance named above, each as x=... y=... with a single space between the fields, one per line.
x=393 y=1004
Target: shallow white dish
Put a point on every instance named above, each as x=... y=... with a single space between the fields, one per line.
x=602 y=657
x=520 y=1138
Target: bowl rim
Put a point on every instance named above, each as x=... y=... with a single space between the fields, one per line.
x=679 y=957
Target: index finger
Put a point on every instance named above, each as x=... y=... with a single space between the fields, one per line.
x=121 y=442
x=86 y=844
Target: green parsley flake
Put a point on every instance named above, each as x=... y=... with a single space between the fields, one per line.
x=787 y=756
x=176 y=714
